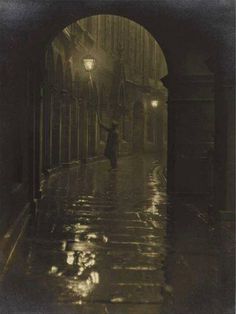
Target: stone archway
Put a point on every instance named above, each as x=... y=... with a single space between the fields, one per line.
x=180 y=162
x=180 y=39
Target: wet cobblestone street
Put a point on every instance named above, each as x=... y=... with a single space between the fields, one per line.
x=103 y=245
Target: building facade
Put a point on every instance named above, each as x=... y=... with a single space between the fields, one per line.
x=125 y=80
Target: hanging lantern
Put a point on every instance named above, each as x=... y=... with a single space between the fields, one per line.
x=89 y=63
x=154 y=103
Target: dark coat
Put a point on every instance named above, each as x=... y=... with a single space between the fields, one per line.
x=112 y=144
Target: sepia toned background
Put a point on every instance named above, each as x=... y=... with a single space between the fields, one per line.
x=165 y=71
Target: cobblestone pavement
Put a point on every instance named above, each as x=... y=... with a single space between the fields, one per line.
x=103 y=245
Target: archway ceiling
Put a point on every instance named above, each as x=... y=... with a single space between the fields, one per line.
x=169 y=21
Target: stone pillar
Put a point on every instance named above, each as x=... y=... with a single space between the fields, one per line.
x=83 y=132
x=47 y=130
x=225 y=139
x=159 y=131
x=70 y=104
x=171 y=137
x=223 y=66
x=56 y=129
x=74 y=129
x=230 y=161
x=35 y=77
x=66 y=128
x=50 y=152
x=138 y=127
x=164 y=135
x=190 y=126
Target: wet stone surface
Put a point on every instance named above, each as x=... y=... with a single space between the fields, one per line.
x=110 y=242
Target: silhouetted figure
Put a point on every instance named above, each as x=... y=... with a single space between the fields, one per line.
x=112 y=144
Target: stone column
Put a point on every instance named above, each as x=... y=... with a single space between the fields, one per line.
x=50 y=153
x=223 y=66
x=225 y=139
x=159 y=131
x=138 y=127
x=70 y=104
x=164 y=135
x=35 y=77
x=83 y=132
x=190 y=125
x=56 y=129
x=66 y=128
x=47 y=130
x=230 y=161
x=74 y=130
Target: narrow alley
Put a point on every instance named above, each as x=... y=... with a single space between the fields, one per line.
x=101 y=245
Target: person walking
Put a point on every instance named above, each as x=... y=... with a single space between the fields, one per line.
x=112 y=143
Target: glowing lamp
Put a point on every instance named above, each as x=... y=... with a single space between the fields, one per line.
x=89 y=63
x=154 y=103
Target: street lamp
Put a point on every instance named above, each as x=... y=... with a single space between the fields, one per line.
x=154 y=103
x=89 y=63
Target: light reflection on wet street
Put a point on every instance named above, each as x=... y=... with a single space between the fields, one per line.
x=103 y=245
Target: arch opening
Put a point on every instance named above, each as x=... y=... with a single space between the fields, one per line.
x=129 y=67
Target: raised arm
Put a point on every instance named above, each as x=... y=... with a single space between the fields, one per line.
x=102 y=125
